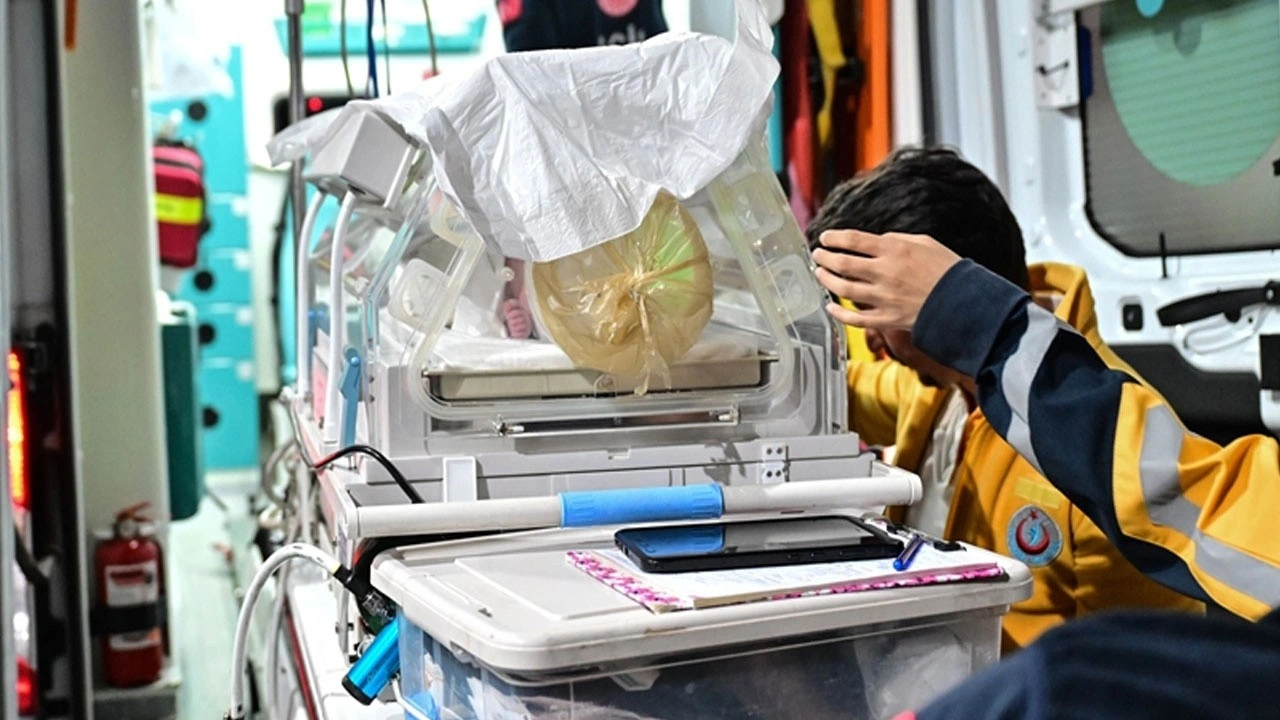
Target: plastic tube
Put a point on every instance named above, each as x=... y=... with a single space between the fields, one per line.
x=302 y=480
x=296 y=551
x=267 y=481
x=337 y=322
x=302 y=296
x=410 y=519
x=895 y=488
x=272 y=673
x=277 y=621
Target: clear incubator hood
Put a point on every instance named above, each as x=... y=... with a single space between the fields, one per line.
x=566 y=270
x=707 y=315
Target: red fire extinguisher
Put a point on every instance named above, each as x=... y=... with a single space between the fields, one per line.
x=130 y=587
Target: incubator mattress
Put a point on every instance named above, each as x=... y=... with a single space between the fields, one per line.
x=474 y=368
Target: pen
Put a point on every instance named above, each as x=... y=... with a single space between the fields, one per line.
x=899 y=528
x=909 y=552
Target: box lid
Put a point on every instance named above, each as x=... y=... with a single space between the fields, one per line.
x=514 y=604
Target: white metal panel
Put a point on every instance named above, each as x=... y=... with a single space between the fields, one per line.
x=1044 y=179
x=111 y=273
x=32 y=247
x=908 y=118
x=942 y=66
x=1051 y=7
x=8 y=659
x=980 y=122
x=112 y=267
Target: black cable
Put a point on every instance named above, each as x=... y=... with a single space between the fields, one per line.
x=359 y=581
x=386 y=46
x=342 y=45
x=382 y=460
x=431 y=38
x=371 y=52
x=27 y=564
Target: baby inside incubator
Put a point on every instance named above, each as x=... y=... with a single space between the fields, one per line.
x=495 y=303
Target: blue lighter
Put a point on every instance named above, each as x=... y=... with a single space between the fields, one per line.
x=370 y=674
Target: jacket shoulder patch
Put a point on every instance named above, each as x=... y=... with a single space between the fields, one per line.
x=1033 y=537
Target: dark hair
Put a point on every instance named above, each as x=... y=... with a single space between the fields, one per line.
x=931 y=192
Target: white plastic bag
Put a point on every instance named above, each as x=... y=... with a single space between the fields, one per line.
x=550 y=153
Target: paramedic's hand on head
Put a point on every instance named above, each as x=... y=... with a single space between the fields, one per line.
x=888 y=277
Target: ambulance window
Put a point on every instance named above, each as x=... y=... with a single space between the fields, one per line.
x=1182 y=128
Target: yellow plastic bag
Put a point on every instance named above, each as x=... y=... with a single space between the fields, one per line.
x=635 y=305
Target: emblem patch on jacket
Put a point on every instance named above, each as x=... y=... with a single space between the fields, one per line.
x=1033 y=537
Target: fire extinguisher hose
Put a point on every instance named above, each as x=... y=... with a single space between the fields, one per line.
x=277 y=560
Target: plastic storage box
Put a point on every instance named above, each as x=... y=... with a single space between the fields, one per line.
x=503 y=627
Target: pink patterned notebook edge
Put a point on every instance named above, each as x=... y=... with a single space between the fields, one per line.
x=657 y=600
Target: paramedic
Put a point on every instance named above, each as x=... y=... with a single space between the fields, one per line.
x=560 y=24
x=1198 y=517
x=977 y=488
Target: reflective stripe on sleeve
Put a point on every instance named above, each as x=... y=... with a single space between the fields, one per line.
x=1019 y=374
x=1168 y=506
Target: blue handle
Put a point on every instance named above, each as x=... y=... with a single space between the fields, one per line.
x=349 y=386
x=374 y=670
x=317 y=317
x=614 y=507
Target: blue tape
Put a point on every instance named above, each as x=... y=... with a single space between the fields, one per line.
x=666 y=542
x=371 y=674
x=614 y=507
x=317 y=317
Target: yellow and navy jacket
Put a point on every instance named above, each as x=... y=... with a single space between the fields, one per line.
x=1198 y=517
x=1000 y=501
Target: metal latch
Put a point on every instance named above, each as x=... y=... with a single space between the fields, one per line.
x=773 y=464
x=1055 y=55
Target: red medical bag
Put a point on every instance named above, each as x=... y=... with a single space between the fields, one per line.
x=180 y=203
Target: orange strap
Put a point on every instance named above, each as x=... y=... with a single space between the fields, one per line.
x=875 y=137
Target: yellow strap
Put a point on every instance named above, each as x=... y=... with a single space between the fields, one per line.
x=177 y=210
x=826 y=34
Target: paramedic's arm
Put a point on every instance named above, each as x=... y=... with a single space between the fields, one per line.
x=1185 y=511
